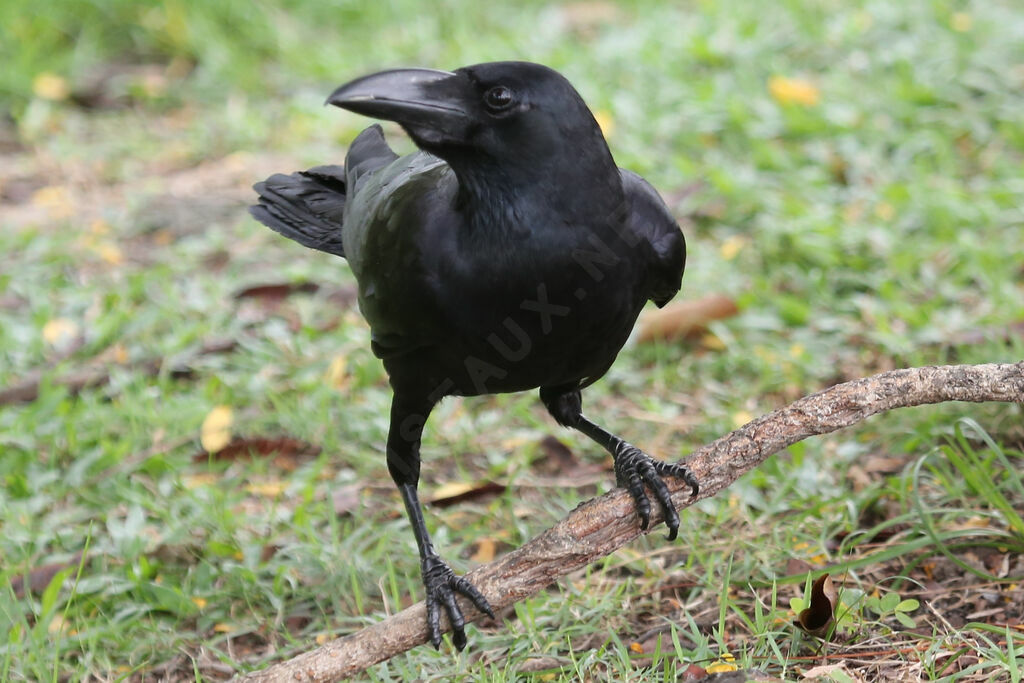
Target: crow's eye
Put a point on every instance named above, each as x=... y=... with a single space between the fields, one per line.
x=498 y=98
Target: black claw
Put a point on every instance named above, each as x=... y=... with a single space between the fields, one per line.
x=441 y=586
x=476 y=597
x=634 y=468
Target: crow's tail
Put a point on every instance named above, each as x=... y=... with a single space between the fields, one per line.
x=307 y=206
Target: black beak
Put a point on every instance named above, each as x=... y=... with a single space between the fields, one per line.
x=429 y=104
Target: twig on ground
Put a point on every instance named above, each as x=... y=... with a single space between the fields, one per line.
x=600 y=526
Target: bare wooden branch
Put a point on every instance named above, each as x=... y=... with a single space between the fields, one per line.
x=600 y=526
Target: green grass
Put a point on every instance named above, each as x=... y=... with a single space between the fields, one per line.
x=880 y=227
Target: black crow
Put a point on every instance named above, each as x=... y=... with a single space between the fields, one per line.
x=510 y=253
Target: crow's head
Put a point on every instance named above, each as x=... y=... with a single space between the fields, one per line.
x=508 y=113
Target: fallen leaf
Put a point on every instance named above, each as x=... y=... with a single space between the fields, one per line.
x=605 y=122
x=336 y=377
x=685 y=319
x=694 y=672
x=740 y=418
x=194 y=481
x=109 y=252
x=816 y=618
x=267 y=489
x=277 y=290
x=485 y=551
x=55 y=200
x=58 y=625
x=793 y=91
x=725 y=664
x=60 y=332
x=288 y=452
x=732 y=246
x=50 y=86
x=215 y=432
x=456 y=492
x=40 y=577
x=712 y=342
x=831 y=672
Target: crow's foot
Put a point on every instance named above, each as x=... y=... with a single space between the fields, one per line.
x=634 y=468
x=441 y=585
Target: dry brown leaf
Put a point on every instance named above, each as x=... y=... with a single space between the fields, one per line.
x=818 y=616
x=40 y=577
x=694 y=672
x=686 y=319
x=830 y=672
x=288 y=452
x=277 y=291
x=456 y=492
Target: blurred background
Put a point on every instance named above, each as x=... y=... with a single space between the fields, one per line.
x=192 y=480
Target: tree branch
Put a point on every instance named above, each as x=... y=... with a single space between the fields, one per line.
x=600 y=526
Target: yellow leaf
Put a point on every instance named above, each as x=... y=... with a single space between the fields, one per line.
x=267 y=489
x=50 y=86
x=194 y=481
x=605 y=122
x=57 y=625
x=55 y=199
x=712 y=342
x=740 y=418
x=215 y=433
x=732 y=246
x=336 y=372
x=793 y=91
x=452 y=489
x=885 y=211
x=120 y=353
x=59 y=331
x=110 y=252
x=485 y=551
x=961 y=21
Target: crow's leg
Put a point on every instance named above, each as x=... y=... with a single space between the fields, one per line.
x=633 y=467
x=440 y=582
